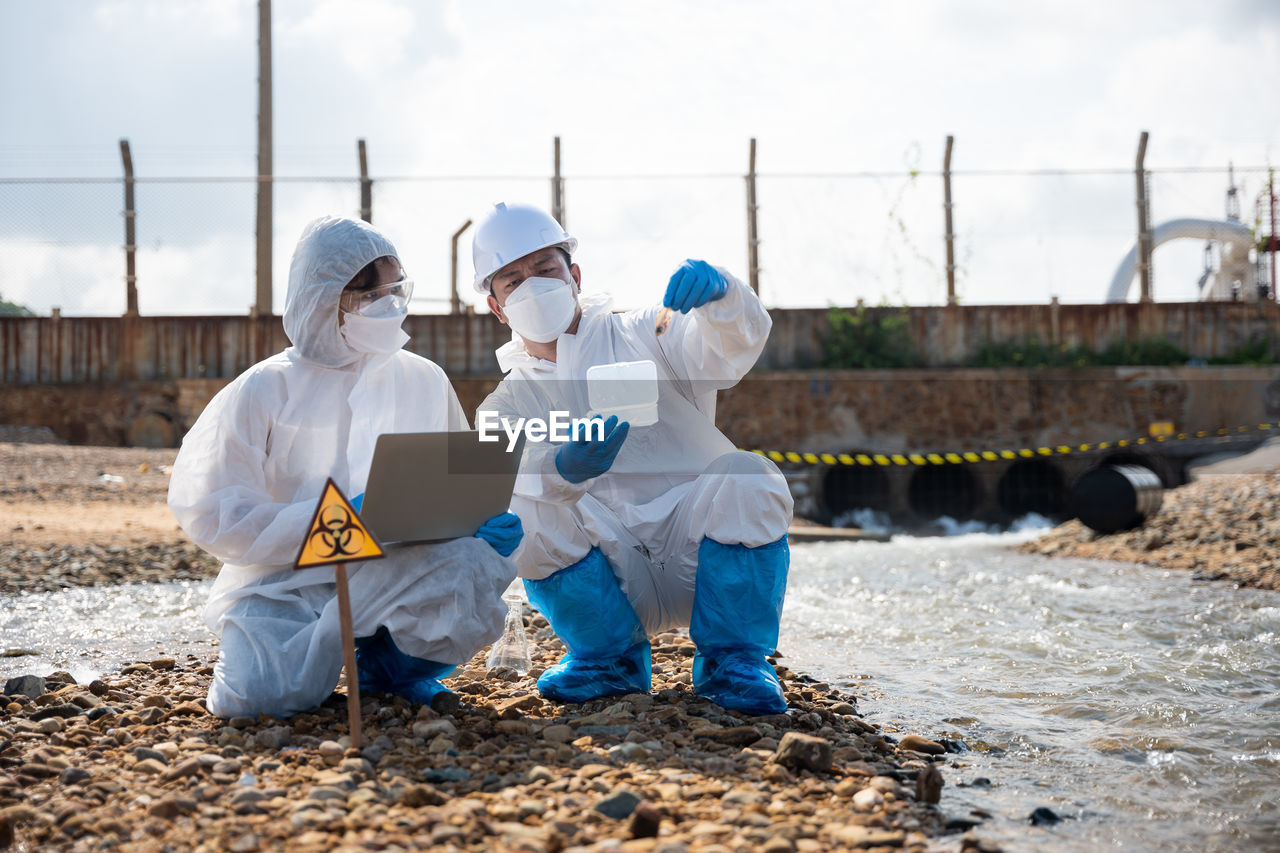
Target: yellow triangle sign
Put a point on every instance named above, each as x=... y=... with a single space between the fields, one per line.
x=336 y=533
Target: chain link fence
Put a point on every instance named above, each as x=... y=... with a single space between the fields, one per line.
x=833 y=239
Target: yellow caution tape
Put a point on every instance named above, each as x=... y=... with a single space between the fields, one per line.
x=970 y=456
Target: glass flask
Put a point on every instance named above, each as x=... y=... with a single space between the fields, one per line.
x=512 y=648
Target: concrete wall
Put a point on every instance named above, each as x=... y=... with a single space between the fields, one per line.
x=48 y=350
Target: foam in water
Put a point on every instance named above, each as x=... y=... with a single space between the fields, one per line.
x=876 y=521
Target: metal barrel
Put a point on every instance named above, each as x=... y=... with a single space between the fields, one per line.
x=1111 y=498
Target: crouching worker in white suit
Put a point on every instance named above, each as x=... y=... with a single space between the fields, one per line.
x=639 y=528
x=251 y=471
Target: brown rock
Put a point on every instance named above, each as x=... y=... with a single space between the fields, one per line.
x=150 y=766
x=172 y=807
x=510 y=708
x=736 y=736
x=929 y=784
x=416 y=796
x=190 y=767
x=810 y=752
x=645 y=821
x=915 y=743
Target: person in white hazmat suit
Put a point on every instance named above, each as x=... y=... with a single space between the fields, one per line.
x=253 y=467
x=632 y=530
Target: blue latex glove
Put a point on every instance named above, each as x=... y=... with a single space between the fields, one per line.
x=503 y=532
x=584 y=458
x=695 y=283
x=358 y=501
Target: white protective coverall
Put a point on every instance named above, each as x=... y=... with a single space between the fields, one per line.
x=251 y=471
x=673 y=482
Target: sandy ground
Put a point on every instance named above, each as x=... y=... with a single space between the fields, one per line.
x=57 y=494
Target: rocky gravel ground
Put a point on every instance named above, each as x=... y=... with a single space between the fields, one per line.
x=1222 y=526
x=134 y=762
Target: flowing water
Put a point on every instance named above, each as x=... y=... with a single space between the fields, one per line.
x=1141 y=707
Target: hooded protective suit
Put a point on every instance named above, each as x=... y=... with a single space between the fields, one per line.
x=249 y=474
x=674 y=482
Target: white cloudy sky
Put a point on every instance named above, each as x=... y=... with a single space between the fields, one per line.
x=655 y=103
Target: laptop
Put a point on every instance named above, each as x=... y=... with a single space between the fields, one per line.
x=436 y=486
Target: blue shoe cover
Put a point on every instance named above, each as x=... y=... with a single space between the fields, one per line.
x=741 y=681
x=737 y=605
x=608 y=649
x=383 y=668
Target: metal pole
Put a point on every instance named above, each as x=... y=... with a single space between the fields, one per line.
x=1144 y=231
x=262 y=302
x=130 y=241
x=455 y=301
x=951 y=237
x=557 y=190
x=1271 y=242
x=366 y=185
x=753 y=231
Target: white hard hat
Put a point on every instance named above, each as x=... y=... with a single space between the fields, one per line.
x=510 y=232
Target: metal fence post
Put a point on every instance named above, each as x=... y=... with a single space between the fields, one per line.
x=262 y=303
x=455 y=301
x=1144 y=227
x=753 y=232
x=557 y=190
x=130 y=236
x=366 y=185
x=951 y=237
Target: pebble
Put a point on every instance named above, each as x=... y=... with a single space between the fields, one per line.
x=810 y=752
x=618 y=805
x=916 y=743
x=868 y=798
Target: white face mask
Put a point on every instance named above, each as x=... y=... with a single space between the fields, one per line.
x=376 y=329
x=540 y=309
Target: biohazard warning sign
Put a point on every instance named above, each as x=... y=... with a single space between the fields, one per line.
x=336 y=534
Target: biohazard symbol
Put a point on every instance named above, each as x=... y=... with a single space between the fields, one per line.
x=336 y=533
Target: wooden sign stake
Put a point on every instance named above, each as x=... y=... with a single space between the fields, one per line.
x=335 y=537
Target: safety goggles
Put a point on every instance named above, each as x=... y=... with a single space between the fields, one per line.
x=356 y=301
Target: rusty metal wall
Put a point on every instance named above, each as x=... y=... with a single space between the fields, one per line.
x=950 y=335
x=67 y=350
x=53 y=350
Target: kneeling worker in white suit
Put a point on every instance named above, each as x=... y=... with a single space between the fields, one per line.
x=637 y=529
x=252 y=469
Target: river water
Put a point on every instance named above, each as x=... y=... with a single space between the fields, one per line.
x=1141 y=707
x=1138 y=705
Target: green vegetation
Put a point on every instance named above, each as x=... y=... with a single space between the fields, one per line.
x=1256 y=353
x=13 y=309
x=1150 y=352
x=1029 y=353
x=866 y=340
